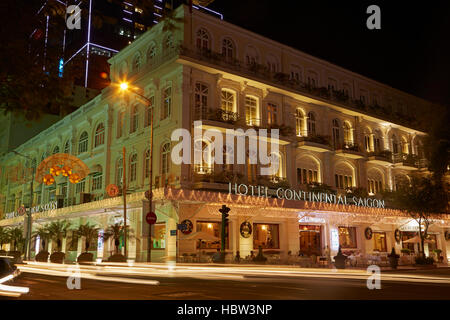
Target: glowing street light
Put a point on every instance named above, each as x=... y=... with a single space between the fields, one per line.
x=124 y=86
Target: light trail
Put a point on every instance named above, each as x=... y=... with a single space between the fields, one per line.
x=116 y=271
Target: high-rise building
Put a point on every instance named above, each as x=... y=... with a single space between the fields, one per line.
x=107 y=26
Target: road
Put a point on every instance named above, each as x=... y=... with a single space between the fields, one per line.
x=203 y=283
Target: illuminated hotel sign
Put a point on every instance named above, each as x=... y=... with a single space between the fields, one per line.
x=290 y=194
x=39 y=208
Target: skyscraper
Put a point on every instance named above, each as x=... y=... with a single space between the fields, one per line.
x=107 y=26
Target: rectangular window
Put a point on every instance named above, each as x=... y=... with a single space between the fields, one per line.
x=379 y=241
x=305 y=176
x=347 y=237
x=214 y=229
x=97 y=181
x=266 y=236
x=342 y=181
x=79 y=187
x=159 y=236
x=251 y=111
x=148 y=112
x=271 y=114
x=167 y=103
x=120 y=124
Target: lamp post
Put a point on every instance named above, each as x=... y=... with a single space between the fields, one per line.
x=125 y=87
x=27 y=247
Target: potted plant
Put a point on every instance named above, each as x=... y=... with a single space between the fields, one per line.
x=116 y=232
x=58 y=230
x=393 y=258
x=339 y=259
x=90 y=233
x=42 y=233
x=17 y=239
x=4 y=238
x=405 y=251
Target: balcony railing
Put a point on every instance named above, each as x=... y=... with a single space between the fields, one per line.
x=348 y=146
x=406 y=159
x=385 y=154
x=263 y=73
x=316 y=138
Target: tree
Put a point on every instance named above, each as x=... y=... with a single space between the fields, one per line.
x=57 y=230
x=16 y=237
x=4 y=237
x=422 y=199
x=90 y=232
x=116 y=231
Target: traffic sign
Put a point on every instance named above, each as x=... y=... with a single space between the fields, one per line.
x=150 y=218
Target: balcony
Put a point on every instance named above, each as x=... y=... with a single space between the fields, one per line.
x=349 y=150
x=380 y=157
x=206 y=179
x=406 y=161
x=316 y=143
x=262 y=73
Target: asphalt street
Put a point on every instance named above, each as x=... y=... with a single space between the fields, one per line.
x=250 y=287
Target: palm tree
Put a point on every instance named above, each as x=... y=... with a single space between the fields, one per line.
x=90 y=232
x=16 y=237
x=42 y=233
x=58 y=230
x=4 y=237
x=115 y=231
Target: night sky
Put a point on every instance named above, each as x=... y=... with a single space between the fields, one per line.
x=410 y=52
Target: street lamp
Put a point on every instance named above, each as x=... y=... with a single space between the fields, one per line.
x=27 y=253
x=124 y=87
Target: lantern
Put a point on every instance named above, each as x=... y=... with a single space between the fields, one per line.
x=49 y=179
x=74 y=178
x=66 y=171
x=55 y=170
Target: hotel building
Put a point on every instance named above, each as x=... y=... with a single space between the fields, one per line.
x=337 y=128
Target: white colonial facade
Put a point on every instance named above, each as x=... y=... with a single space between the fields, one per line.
x=337 y=128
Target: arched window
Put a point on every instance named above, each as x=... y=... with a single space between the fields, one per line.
x=148 y=110
x=308 y=170
x=133 y=167
x=67 y=147
x=134 y=119
x=83 y=142
x=136 y=63
x=99 y=135
x=377 y=141
x=203 y=40
x=207 y=164
x=165 y=158
x=313 y=79
x=405 y=145
x=55 y=150
x=344 y=176
x=395 y=146
x=228 y=50
x=119 y=171
x=348 y=134
x=272 y=63
x=151 y=53
x=336 y=133
x=300 y=123
x=228 y=101
x=120 y=123
x=374 y=181
x=401 y=181
x=201 y=100
x=251 y=56
x=167 y=103
x=147 y=163
x=251 y=111
x=97 y=178
x=311 y=124
x=367 y=144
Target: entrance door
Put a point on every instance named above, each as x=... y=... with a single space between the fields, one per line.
x=310 y=240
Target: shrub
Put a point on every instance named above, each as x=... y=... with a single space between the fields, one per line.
x=424 y=261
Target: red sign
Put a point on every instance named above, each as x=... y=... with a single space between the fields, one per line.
x=112 y=190
x=150 y=218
